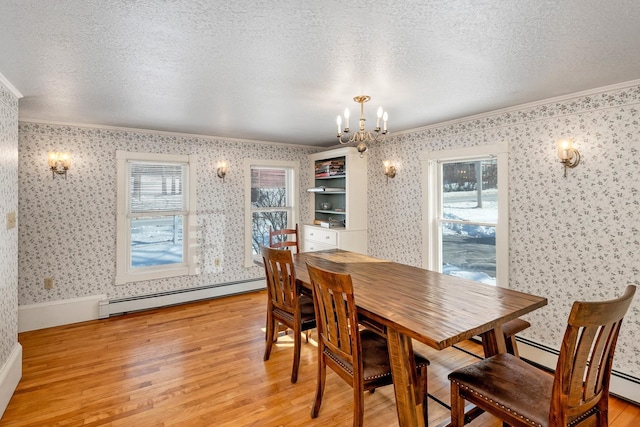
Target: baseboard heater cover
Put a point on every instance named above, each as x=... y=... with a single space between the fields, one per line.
x=162 y=299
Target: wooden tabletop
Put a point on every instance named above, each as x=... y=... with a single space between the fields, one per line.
x=433 y=308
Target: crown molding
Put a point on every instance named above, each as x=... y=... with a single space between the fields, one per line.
x=520 y=107
x=11 y=87
x=160 y=132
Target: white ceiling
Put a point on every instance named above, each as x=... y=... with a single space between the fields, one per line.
x=283 y=70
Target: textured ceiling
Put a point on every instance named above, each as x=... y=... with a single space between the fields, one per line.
x=282 y=71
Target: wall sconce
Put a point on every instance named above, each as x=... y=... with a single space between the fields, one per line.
x=59 y=163
x=569 y=156
x=222 y=170
x=389 y=171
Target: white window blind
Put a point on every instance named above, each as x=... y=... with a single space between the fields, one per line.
x=156 y=216
x=156 y=188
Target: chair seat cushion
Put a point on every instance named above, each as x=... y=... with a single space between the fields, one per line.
x=306 y=306
x=307 y=314
x=375 y=358
x=521 y=389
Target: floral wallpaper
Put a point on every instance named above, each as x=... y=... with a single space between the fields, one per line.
x=8 y=238
x=68 y=230
x=570 y=238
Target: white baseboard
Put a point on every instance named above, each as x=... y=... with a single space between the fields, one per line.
x=56 y=313
x=621 y=384
x=10 y=375
x=111 y=307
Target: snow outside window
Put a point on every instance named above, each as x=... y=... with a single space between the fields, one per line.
x=156 y=211
x=467 y=211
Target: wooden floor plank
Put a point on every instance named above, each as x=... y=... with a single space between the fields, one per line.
x=201 y=364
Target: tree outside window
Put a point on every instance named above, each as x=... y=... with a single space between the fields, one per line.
x=271 y=202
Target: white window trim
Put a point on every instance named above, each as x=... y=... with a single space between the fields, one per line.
x=293 y=195
x=430 y=229
x=190 y=266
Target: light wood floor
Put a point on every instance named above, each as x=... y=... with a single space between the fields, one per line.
x=201 y=364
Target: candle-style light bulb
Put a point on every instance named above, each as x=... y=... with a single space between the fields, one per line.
x=339 y=122
x=53 y=159
x=563 y=149
x=380 y=111
x=65 y=159
x=385 y=117
x=346 y=118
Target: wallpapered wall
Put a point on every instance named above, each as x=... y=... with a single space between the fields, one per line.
x=570 y=238
x=68 y=227
x=8 y=238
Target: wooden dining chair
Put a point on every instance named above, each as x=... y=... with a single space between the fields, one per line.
x=358 y=355
x=286 y=304
x=510 y=329
x=287 y=238
x=523 y=395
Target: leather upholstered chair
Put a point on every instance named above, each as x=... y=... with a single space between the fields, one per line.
x=358 y=355
x=510 y=329
x=286 y=304
x=287 y=238
x=576 y=395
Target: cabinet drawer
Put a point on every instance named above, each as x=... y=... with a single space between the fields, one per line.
x=315 y=234
x=311 y=246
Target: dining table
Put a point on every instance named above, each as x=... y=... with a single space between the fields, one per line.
x=411 y=303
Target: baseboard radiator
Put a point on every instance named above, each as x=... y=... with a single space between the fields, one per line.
x=113 y=307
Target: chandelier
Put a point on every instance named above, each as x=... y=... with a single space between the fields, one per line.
x=362 y=137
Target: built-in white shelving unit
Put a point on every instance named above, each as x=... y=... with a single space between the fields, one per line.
x=338 y=201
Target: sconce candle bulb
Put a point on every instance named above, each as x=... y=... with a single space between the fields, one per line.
x=389 y=171
x=568 y=155
x=221 y=171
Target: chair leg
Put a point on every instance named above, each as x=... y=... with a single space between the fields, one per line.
x=512 y=345
x=457 y=406
x=270 y=331
x=297 y=343
x=358 y=406
x=322 y=374
x=603 y=412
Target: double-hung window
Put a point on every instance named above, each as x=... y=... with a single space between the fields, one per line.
x=466 y=229
x=270 y=202
x=156 y=216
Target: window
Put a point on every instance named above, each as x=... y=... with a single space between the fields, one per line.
x=270 y=202
x=156 y=213
x=467 y=206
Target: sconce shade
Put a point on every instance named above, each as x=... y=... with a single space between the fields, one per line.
x=568 y=155
x=59 y=163
x=389 y=171
x=564 y=145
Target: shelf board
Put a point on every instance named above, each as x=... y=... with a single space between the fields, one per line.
x=331 y=177
x=331 y=212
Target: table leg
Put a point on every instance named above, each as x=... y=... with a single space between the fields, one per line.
x=405 y=380
x=493 y=342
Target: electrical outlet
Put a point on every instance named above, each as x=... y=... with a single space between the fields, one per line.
x=11 y=220
x=216 y=262
x=48 y=282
